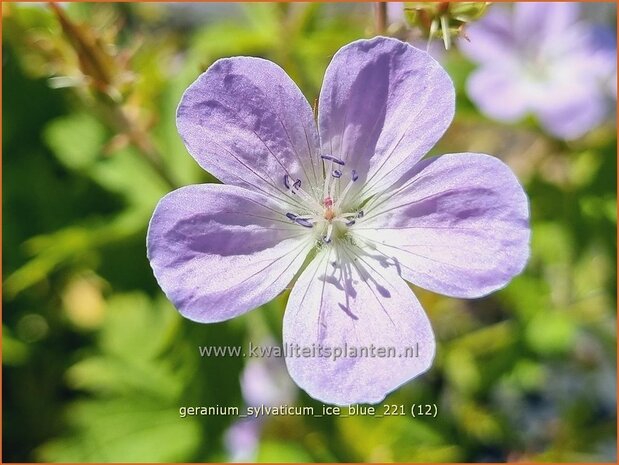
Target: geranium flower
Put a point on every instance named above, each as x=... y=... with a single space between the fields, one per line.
x=264 y=383
x=538 y=58
x=351 y=196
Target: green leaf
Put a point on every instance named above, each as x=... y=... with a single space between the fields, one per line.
x=124 y=430
x=78 y=142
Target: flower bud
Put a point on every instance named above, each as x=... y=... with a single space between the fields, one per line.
x=443 y=19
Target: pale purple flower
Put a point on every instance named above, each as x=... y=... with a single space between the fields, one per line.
x=264 y=382
x=351 y=195
x=242 y=439
x=395 y=13
x=540 y=59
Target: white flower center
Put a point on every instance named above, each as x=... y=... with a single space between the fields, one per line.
x=327 y=218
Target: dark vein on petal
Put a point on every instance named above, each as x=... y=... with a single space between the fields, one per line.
x=313 y=154
x=406 y=204
x=242 y=213
x=351 y=256
x=367 y=186
x=449 y=265
x=293 y=147
x=311 y=280
x=277 y=212
x=389 y=195
x=271 y=263
x=272 y=183
x=455 y=228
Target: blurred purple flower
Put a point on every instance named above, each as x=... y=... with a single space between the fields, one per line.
x=539 y=58
x=353 y=193
x=395 y=13
x=264 y=381
x=241 y=440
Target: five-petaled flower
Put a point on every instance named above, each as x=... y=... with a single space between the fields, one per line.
x=352 y=194
x=539 y=58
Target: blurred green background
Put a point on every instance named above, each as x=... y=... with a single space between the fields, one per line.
x=96 y=362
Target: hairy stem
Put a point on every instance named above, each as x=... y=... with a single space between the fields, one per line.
x=96 y=64
x=143 y=142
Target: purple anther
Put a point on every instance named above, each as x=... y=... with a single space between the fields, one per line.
x=326 y=241
x=333 y=159
x=360 y=214
x=291 y=216
x=287 y=181
x=350 y=223
x=355 y=176
x=297 y=184
x=336 y=174
x=304 y=222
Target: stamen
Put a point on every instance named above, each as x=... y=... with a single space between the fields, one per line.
x=326 y=192
x=327 y=237
x=333 y=159
x=296 y=189
x=301 y=220
x=304 y=222
x=348 y=219
x=342 y=196
x=332 y=206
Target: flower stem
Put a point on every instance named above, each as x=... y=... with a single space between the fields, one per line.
x=144 y=144
x=381 y=18
x=95 y=63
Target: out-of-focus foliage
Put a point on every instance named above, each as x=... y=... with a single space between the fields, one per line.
x=97 y=362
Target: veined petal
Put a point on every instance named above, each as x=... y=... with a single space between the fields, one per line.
x=382 y=106
x=459 y=226
x=246 y=122
x=218 y=251
x=348 y=301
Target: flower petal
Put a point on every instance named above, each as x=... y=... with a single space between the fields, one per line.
x=490 y=40
x=573 y=99
x=498 y=93
x=541 y=22
x=382 y=106
x=354 y=305
x=459 y=226
x=218 y=251
x=571 y=109
x=246 y=122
